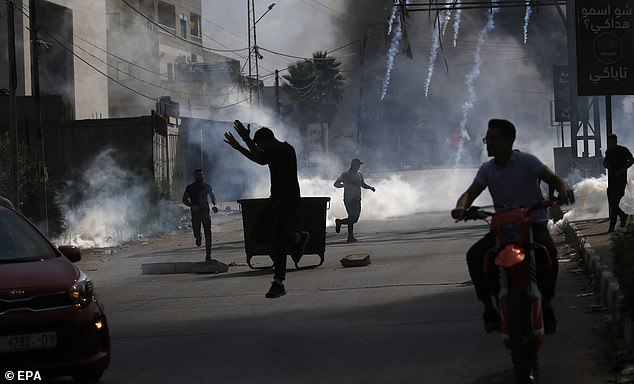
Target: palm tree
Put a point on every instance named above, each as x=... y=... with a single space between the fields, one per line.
x=315 y=87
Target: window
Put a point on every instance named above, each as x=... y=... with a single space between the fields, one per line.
x=183 y=28
x=170 y=71
x=194 y=58
x=167 y=15
x=114 y=22
x=194 y=25
x=147 y=8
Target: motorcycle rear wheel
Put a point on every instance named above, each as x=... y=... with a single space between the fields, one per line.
x=521 y=338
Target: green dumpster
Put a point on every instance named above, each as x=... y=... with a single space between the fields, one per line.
x=310 y=216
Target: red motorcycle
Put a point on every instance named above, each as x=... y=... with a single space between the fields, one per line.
x=519 y=298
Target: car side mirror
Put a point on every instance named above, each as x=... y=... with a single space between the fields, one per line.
x=71 y=252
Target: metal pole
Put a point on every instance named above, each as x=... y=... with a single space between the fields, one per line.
x=13 y=116
x=608 y=114
x=277 y=92
x=256 y=52
x=249 y=41
x=572 y=76
x=35 y=91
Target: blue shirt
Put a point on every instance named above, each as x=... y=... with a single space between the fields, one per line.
x=514 y=185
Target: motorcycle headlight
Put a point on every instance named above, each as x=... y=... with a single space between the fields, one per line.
x=81 y=292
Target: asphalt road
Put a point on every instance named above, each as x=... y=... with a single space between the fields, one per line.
x=409 y=317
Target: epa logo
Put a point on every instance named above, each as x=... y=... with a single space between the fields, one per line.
x=22 y=375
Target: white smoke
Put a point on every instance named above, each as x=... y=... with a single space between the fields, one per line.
x=456 y=23
x=398 y=193
x=109 y=205
x=391 y=55
x=527 y=17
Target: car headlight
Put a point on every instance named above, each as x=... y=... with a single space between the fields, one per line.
x=81 y=292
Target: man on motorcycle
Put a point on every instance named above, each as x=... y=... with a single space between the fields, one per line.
x=513 y=180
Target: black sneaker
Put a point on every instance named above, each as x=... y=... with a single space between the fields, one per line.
x=300 y=246
x=351 y=239
x=337 y=225
x=491 y=319
x=198 y=241
x=550 y=322
x=276 y=290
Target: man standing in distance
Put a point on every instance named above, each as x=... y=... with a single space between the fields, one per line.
x=195 y=197
x=617 y=160
x=272 y=223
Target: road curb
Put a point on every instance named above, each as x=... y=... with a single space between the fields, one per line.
x=607 y=286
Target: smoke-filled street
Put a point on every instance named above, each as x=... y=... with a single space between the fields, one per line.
x=130 y=130
x=409 y=317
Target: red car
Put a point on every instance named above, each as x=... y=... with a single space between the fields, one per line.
x=51 y=322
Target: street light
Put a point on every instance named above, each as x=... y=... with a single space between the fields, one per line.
x=267 y=11
x=251 y=10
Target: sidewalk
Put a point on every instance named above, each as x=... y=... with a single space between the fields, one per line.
x=599 y=265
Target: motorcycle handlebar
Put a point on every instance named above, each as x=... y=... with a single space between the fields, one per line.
x=476 y=213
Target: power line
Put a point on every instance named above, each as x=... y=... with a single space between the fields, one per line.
x=115 y=80
x=444 y=6
x=322 y=11
x=178 y=37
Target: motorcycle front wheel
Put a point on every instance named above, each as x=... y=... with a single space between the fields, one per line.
x=522 y=341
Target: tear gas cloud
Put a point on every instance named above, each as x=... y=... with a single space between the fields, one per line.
x=109 y=205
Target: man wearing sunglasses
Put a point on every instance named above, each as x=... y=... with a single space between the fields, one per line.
x=513 y=180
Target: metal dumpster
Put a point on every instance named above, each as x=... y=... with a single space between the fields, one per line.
x=310 y=216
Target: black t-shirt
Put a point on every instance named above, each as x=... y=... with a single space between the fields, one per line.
x=198 y=193
x=617 y=157
x=282 y=162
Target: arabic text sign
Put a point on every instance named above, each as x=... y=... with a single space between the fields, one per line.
x=561 y=84
x=605 y=57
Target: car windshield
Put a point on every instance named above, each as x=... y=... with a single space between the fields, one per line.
x=20 y=241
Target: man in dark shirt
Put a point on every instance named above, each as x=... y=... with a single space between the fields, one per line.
x=351 y=181
x=195 y=197
x=272 y=223
x=617 y=160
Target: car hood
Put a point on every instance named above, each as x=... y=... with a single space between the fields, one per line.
x=36 y=277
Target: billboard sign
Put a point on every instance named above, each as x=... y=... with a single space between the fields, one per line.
x=605 y=50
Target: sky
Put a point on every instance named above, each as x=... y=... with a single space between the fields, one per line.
x=292 y=27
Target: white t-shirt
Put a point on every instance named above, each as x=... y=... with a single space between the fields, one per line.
x=514 y=185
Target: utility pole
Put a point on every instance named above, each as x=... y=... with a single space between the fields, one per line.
x=256 y=52
x=278 y=104
x=13 y=116
x=249 y=41
x=35 y=91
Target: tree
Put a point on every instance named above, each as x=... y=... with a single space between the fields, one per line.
x=315 y=87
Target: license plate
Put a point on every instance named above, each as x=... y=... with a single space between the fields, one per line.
x=27 y=342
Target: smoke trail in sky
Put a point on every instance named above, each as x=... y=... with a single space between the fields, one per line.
x=472 y=76
x=432 y=58
x=527 y=17
x=456 y=23
x=391 y=54
x=433 y=54
x=390 y=22
x=445 y=21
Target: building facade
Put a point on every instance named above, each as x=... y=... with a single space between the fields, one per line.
x=72 y=56
x=156 y=49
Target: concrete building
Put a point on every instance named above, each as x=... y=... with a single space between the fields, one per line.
x=156 y=49
x=72 y=60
